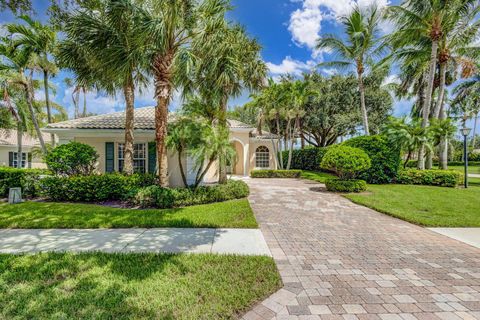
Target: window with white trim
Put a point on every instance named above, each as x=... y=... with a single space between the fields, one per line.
x=262 y=157
x=15 y=160
x=139 y=157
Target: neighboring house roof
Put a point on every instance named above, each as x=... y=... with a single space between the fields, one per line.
x=9 y=138
x=144 y=120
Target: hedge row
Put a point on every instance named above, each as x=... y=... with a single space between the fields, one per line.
x=305 y=159
x=413 y=163
x=441 y=178
x=352 y=185
x=94 y=188
x=27 y=179
x=158 y=197
x=276 y=173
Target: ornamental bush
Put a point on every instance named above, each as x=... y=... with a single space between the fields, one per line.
x=440 y=178
x=385 y=158
x=158 y=197
x=346 y=162
x=306 y=159
x=27 y=179
x=94 y=188
x=352 y=185
x=276 y=173
x=73 y=158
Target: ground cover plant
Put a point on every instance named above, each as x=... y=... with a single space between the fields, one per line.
x=276 y=173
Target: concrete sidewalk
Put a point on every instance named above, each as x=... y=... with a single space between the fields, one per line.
x=228 y=241
x=469 y=236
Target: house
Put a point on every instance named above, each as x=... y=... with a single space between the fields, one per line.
x=9 y=150
x=106 y=134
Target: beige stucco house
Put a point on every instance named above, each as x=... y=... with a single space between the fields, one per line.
x=9 y=156
x=106 y=134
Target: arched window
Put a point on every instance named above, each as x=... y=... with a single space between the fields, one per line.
x=262 y=157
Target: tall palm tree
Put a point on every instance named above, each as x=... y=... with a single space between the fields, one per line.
x=421 y=24
x=18 y=62
x=169 y=30
x=362 y=44
x=468 y=94
x=229 y=63
x=42 y=40
x=115 y=59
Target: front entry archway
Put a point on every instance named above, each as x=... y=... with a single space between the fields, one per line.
x=238 y=166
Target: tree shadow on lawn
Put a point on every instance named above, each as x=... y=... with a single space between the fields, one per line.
x=113 y=286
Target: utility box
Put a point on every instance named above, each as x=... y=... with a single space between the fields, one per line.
x=15 y=195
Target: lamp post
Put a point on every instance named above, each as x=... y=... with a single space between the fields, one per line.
x=465 y=133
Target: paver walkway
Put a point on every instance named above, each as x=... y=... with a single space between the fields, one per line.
x=339 y=260
x=235 y=241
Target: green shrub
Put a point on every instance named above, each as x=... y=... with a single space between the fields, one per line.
x=413 y=163
x=441 y=178
x=73 y=158
x=276 y=173
x=339 y=185
x=27 y=179
x=385 y=158
x=346 y=162
x=93 y=188
x=305 y=159
x=158 y=197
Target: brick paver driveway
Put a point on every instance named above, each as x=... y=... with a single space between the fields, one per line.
x=339 y=260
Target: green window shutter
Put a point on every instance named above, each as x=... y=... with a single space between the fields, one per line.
x=109 y=157
x=29 y=160
x=10 y=159
x=152 y=157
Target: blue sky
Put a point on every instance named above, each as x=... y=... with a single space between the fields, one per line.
x=287 y=30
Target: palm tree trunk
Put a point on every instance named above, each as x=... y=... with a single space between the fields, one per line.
x=428 y=101
x=474 y=138
x=19 y=144
x=47 y=102
x=162 y=69
x=200 y=176
x=439 y=113
x=222 y=170
x=277 y=119
x=363 y=107
x=180 y=165
x=75 y=98
x=29 y=96
x=129 y=94
x=84 y=102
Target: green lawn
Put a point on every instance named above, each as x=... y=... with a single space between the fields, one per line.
x=38 y=215
x=316 y=176
x=133 y=286
x=423 y=205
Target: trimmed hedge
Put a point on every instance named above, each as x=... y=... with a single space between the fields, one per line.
x=158 y=197
x=276 y=173
x=347 y=162
x=385 y=158
x=27 y=179
x=93 y=188
x=305 y=159
x=338 y=185
x=440 y=178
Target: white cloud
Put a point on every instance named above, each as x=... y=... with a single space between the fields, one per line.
x=329 y=71
x=306 y=23
x=290 y=66
x=96 y=103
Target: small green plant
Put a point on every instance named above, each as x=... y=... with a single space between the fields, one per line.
x=73 y=158
x=276 y=173
x=346 y=162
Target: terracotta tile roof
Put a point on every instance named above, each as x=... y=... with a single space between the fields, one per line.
x=9 y=138
x=144 y=119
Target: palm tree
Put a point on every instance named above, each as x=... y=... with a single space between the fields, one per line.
x=362 y=44
x=107 y=37
x=17 y=61
x=421 y=24
x=40 y=39
x=229 y=63
x=468 y=93
x=169 y=31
